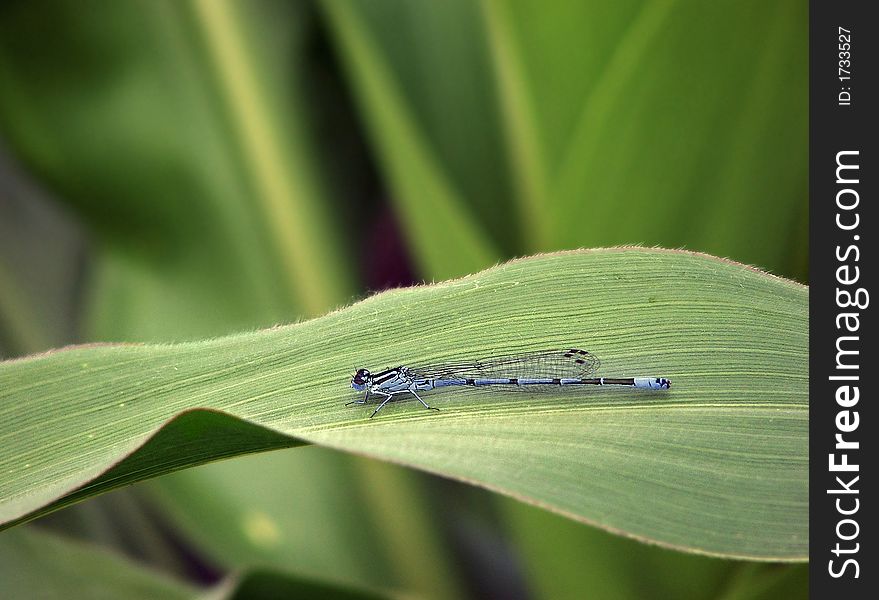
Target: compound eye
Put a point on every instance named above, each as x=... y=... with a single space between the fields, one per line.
x=361 y=376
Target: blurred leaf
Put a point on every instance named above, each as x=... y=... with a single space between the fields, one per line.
x=590 y=123
x=38 y=280
x=437 y=222
x=126 y=521
x=767 y=582
x=561 y=560
x=717 y=465
x=267 y=585
x=346 y=524
x=177 y=132
x=34 y=564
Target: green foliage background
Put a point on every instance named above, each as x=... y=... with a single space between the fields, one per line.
x=234 y=165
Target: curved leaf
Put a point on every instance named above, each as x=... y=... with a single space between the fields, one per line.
x=717 y=465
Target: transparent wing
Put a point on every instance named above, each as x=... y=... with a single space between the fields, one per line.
x=566 y=363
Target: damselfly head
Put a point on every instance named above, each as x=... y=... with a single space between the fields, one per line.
x=360 y=379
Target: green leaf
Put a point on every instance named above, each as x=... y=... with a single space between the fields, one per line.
x=184 y=144
x=34 y=564
x=427 y=199
x=269 y=585
x=345 y=524
x=577 y=124
x=716 y=465
x=561 y=560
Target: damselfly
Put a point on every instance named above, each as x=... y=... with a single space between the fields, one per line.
x=552 y=368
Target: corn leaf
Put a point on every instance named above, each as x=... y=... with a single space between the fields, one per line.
x=717 y=465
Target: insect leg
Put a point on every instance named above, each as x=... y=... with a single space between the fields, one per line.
x=385 y=401
x=423 y=403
